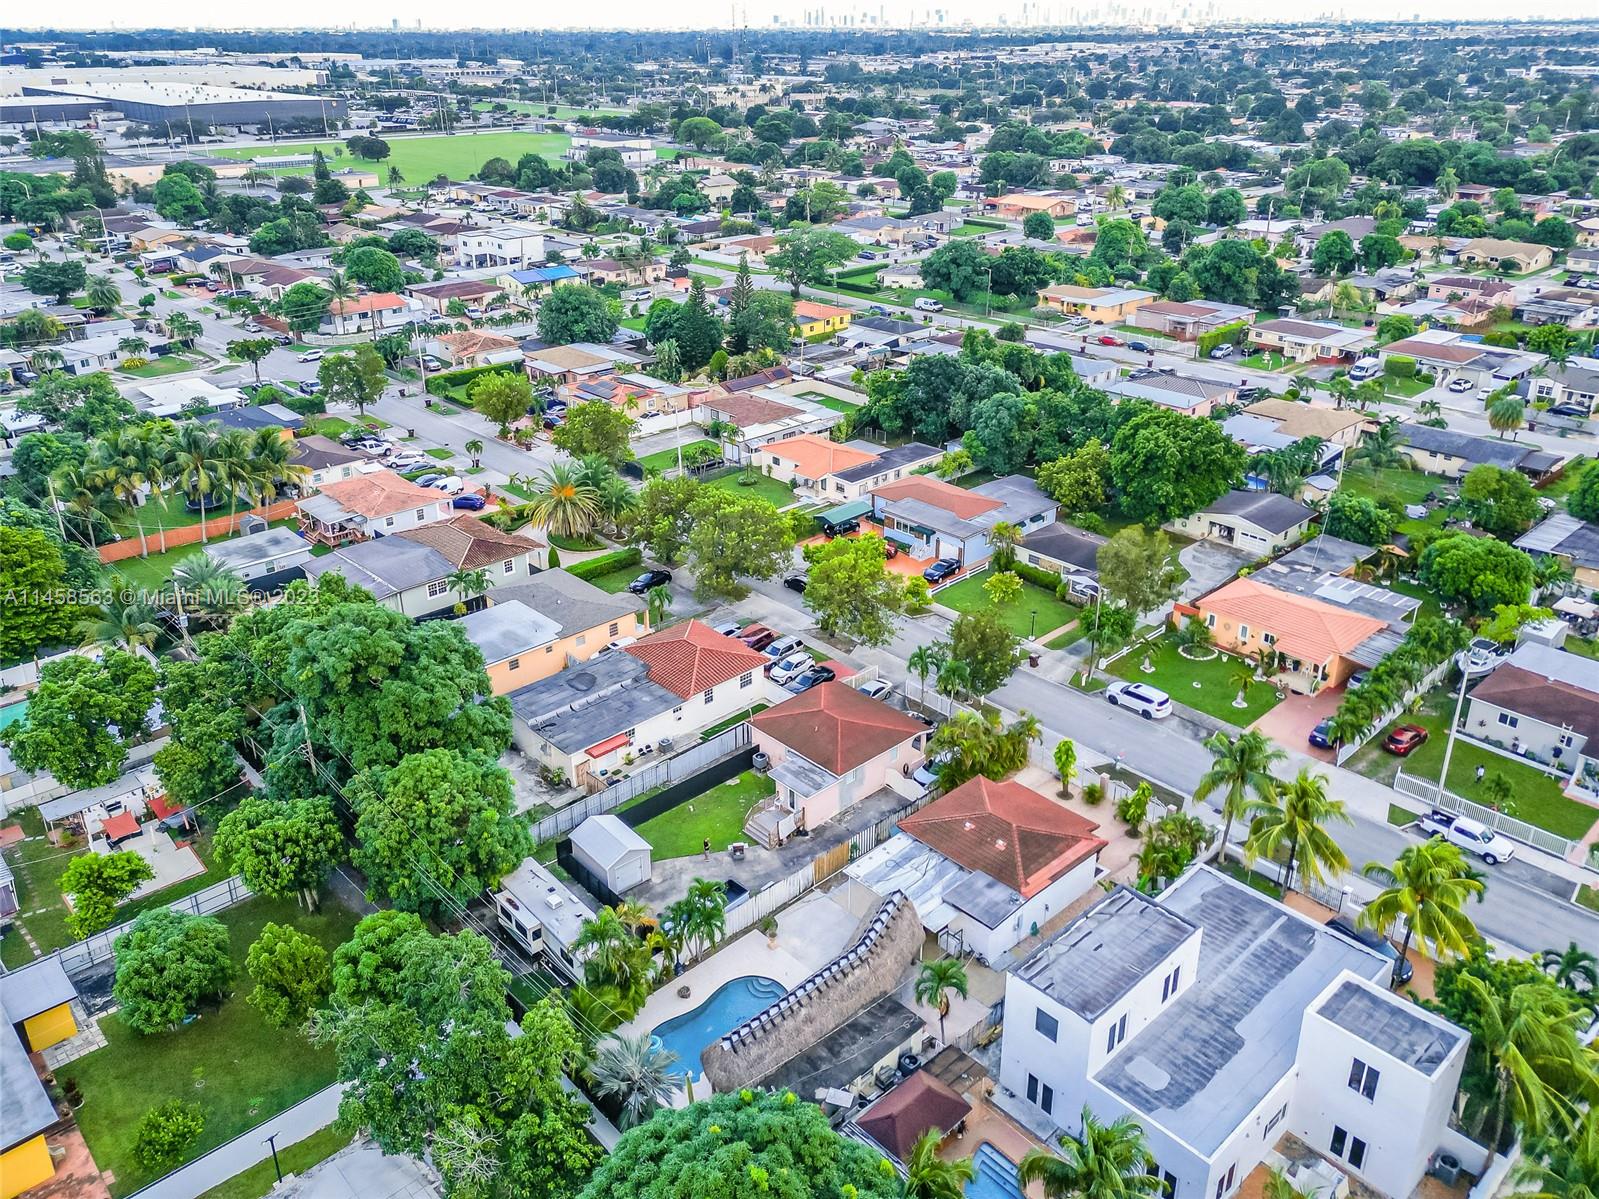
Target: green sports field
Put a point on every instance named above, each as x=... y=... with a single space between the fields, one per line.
x=458 y=155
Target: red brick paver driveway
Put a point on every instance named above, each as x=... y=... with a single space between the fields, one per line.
x=1290 y=722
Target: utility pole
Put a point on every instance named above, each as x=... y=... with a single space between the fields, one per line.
x=1449 y=745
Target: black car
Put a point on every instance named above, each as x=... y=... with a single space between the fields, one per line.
x=1141 y=347
x=941 y=570
x=813 y=677
x=795 y=583
x=1569 y=410
x=841 y=528
x=1377 y=943
x=650 y=578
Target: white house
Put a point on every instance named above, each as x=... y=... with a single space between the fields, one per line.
x=1261 y=522
x=257 y=555
x=500 y=245
x=1220 y=1020
x=618 y=856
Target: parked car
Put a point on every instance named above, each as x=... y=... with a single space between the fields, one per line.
x=814 y=677
x=472 y=503
x=782 y=648
x=1355 y=680
x=650 y=578
x=1149 y=702
x=1321 y=735
x=1141 y=347
x=785 y=670
x=432 y=363
x=876 y=689
x=1570 y=409
x=251 y=327
x=449 y=485
x=1460 y=385
x=1225 y=350
x=428 y=480
x=311 y=356
x=403 y=462
x=841 y=528
x=1471 y=835
x=941 y=570
x=890 y=550
x=309 y=387
x=1405 y=740
x=727 y=628
x=283 y=339
x=923 y=304
x=1109 y=339
x=757 y=636
x=1377 y=943
x=795 y=583
x=927 y=773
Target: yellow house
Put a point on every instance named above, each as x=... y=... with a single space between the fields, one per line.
x=35 y=1013
x=1101 y=305
x=815 y=320
x=534 y=629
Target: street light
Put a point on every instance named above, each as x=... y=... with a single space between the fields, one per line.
x=271 y=1142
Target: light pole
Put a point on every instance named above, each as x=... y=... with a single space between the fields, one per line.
x=271 y=1141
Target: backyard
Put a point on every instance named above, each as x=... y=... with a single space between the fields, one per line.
x=1032 y=613
x=1536 y=797
x=153 y=570
x=1399 y=483
x=664 y=460
x=774 y=491
x=238 y=1068
x=422 y=158
x=716 y=816
x=1209 y=686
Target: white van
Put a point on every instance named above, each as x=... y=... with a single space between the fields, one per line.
x=1364 y=368
x=924 y=304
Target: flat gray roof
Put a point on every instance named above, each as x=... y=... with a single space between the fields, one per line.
x=504 y=630
x=1105 y=952
x=384 y=567
x=1209 y=1059
x=585 y=704
x=37 y=987
x=264 y=546
x=572 y=603
x=1394 y=1026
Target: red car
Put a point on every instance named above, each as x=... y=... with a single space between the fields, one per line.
x=757 y=636
x=1404 y=739
x=1106 y=339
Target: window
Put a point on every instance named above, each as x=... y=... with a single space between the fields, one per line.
x=747 y=679
x=582 y=639
x=710 y=694
x=1210 y=620
x=677 y=711
x=1363 y=1078
x=1224 y=1184
x=1243 y=632
x=1118 y=1034
x=421 y=513
x=1046 y=1024
x=1168 y=986
x=615 y=628
x=508 y=566
x=1506 y=719
x=1347 y=1146
x=1277 y=1117
x=437 y=587
x=388 y=522
x=1357 y=1152
x=1340 y=1138
x=1269 y=638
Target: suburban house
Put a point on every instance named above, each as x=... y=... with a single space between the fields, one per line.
x=1261 y=522
x=1577 y=382
x=1514 y=257
x=1542 y=703
x=602 y=271
x=836 y=471
x=1190 y=319
x=514 y=640
x=635 y=392
x=1101 y=305
x=1295 y=419
x=985 y=866
x=535 y=279
x=1315 y=641
x=258 y=557
x=588 y=722
x=1451 y=454
x=1450 y=356
x=1068 y=551
x=1019 y=205
x=378 y=310
x=1221 y=1021
x=1575 y=542
x=500 y=245
x=1196 y=397
x=587 y=620
x=35 y=1013
x=577 y=362
x=1469 y=287
x=814 y=319
x=372 y=504
x=761 y=417
x=1308 y=341
x=326 y=459
x=830 y=747
x=472 y=348
x=437 y=297
x=934 y=519
x=410 y=571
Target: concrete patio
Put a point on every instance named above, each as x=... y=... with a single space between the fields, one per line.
x=169 y=863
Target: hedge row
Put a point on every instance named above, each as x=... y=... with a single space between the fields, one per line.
x=1231 y=334
x=441 y=384
x=603 y=565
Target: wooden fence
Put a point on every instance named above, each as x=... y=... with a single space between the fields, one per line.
x=218 y=526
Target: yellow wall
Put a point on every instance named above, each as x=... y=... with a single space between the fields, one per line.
x=538 y=664
x=25 y=1167
x=49 y=1027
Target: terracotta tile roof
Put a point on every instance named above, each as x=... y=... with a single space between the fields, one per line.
x=470 y=543
x=812 y=311
x=1417 y=347
x=1304 y=628
x=745 y=410
x=957 y=501
x=689 y=658
x=469 y=342
x=375 y=301
x=381 y=493
x=837 y=727
x=1007 y=831
x=815 y=456
x=921 y=1102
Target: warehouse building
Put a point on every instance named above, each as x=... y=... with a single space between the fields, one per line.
x=158 y=102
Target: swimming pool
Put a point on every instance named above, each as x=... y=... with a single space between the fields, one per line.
x=12 y=713
x=734 y=1002
x=995 y=1177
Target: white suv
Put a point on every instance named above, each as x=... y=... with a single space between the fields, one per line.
x=1149 y=702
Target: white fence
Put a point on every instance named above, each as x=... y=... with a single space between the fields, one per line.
x=1432 y=678
x=1435 y=796
x=661 y=773
x=84 y=955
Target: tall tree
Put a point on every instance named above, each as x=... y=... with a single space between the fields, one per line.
x=1103 y=1161
x=852 y=592
x=98 y=882
x=928 y=1176
x=936 y=981
x=281 y=847
x=1428 y=885
x=1241 y=769
x=82 y=717
x=1295 y=817
x=291 y=974
x=166 y=963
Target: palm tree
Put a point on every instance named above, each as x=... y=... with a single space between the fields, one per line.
x=617 y=502
x=638 y=1071
x=926 y=660
x=928 y=1176
x=1570 y=1166
x=1428 y=885
x=1572 y=967
x=706 y=908
x=1506 y=415
x=1103 y=1161
x=1241 y=769
x=1279 y=1186
x=206 y=588
x=236 y=468
x=395 y=177
x=150 y=452
x=132 y=346
x=954 y=678
x=195 y=464
x=659 y=599
x=116 y=459
x=1295 y=816
x=610 y=949
x=81 y=487
x=934 y=982
x=566 y=506
x=274 y=467
x=1004 y=537
x=102 y=294
x=1380 y=447
x=341 y=288
x=1116 y=197
x=475 y=449
x=122 y=623
x=183 y=328
x=469 y=583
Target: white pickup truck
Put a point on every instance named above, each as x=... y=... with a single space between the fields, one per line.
x=1471 y=835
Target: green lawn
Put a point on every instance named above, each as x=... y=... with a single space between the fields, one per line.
x=1250 y=878
x=1404 y=388
x=968 y=596
x=1405 y=485
x=667 y=459
x=155 y=569
x=617 y=580
x=772 y=490
x=721 y=726
x=457 y=155
x=967 y=229
x=1069 y=637
x=717 y=816
x=1266 y=360
x=439 y=452
x=297 y=1158
x=1588 y=897
x=832 y=402
x=36 y=864
x=1207 y=686
x=171 y=364
x=1537 y=796
x=575 y=544
x=239 y=1069
x=170 y=511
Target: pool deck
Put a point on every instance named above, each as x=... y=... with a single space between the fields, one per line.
x=809 y=935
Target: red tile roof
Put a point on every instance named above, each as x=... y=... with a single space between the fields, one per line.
x=689 y=658
x=1303 y=627
x=837 y=727
x=959 y=502
x=1007 y=831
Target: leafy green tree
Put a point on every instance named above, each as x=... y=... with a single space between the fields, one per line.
x=1103 y=1161
x=35 y=579
x=82 y=717
x=596 y=427
x=936 y=981
x=1137 y=569
x=1078 y=481
x=851 y=591
x=253 y=350
x=178 y=199
x=697 y=331
x=58 y=280
x=1583 y=503
x=375 y=269
x=1396 y=326
x=1478 y=572
x=438 y=813
x=734 y=537
x=370 y=966
x=1065 y=758
x=1428 y=885
x=503 y=397
x=1241 y=770
x=959 y=267
x=756 y=1135
x=98 y=882
x=281 y=847
x=356 y=378
x=1166 y=465
x=1039 y=226
x=1335 y=254
x=698 y=132
x=1294 y=818
x=575 y=313
x=1501 y=501
x=806 y=255
x=291 y=974
x=986 y=647
x=304 y=305
x=166 y=1134
x=166 y=963
x=1568 y=1167
x=1358 y=518
x=102 y=294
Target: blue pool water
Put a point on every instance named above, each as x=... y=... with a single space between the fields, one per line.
x=12 y=713
x=734 y=1002
x=996 y=1175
